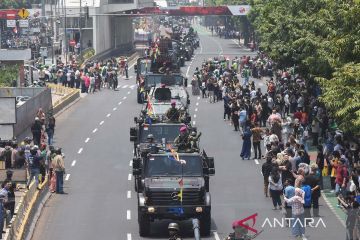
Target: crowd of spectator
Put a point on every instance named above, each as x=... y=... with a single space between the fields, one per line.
x=284 y=113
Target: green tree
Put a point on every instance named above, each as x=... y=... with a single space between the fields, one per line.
x=8 y=74
x=341 y=95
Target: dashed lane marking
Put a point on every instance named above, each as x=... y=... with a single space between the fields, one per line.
x=198 y=98
x=101 y=123
x=216 y=236
x=94 y=131
x=87 y=140
x=129 y=236
x=73 y=163
x=196 y=109
x=124 y=97
x=119 y=103
x=128 y=195
x=129 y=92
x=194 y=115
x=194 y=122
x=197 y=104
x=133 y=86
x=130 y=176
x=80 y=150
x=257 y=161
x=125 y=86
x=128 y=215
x=67 y=177
x=108 y=115
x=130 y=163
x=114 y=109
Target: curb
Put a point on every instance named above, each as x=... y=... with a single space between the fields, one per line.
x=331 y=207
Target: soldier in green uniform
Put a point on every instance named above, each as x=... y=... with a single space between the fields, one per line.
x=173 y=114
x=182 y=141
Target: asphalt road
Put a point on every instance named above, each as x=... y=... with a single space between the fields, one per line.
x=100 y=202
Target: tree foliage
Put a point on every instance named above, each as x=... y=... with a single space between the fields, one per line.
x=320 y=37
x=15 y=4
x=8 y=74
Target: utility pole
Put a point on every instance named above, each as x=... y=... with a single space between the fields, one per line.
x=65 y=31
x=80 y=29
x=52 y=32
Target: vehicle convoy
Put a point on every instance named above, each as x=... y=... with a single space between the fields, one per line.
x=173 y=186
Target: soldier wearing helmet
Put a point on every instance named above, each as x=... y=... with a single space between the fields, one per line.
x=174 y=231
x=151 y=145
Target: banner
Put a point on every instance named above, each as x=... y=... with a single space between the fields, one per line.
x=232 y=10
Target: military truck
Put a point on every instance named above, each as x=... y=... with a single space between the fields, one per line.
x=164 y=133
x=170 y=188
x=150 y=80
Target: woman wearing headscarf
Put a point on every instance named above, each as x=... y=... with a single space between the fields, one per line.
x=246 y=147
x=297 y=209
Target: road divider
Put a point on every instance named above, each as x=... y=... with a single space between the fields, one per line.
x=28 y=211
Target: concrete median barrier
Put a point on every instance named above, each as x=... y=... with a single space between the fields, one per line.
x=64 y=96
x=26 y=211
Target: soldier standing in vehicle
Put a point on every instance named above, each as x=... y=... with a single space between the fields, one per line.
x=193 y=139
x=173 y=114
x=151 y=145
x=182 y=141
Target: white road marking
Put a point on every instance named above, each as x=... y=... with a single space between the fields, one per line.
x=124 y=97
x=114 y=109
x=125 y=86
x=130 y=163
x=187 y=71
x=87 y=140
x=128 y=215
x=128 y=194
x=67 y=177
x=73 y=163
x=201 y=49
x=198 y=98
x=257 y=161
x=119 y=103
x=108 y=115
x=216 y=236
x=129 y=92
x=102 y=122
x=194 y=122
x=133 y=86
x=129 y=177
x=80 y=150
x=94 y=131
x=196 y=109
x=132 y=65
x=197 y=104
x=129 y=236
x=194 y=115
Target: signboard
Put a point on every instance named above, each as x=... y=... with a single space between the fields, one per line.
x=24 y=23
x=7 y=110
x=239 y=9
x=23 y=13
x=11 y=23
x=6 y=132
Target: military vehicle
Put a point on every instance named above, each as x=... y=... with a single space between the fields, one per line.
x=173 y=186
